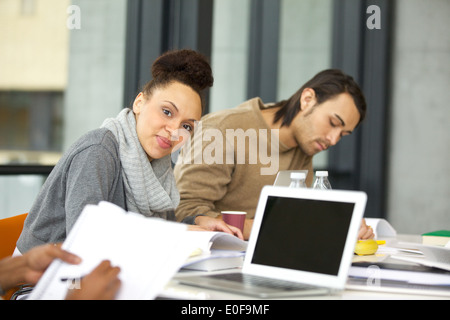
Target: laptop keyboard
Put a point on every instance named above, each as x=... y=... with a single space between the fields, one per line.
x=257 y=281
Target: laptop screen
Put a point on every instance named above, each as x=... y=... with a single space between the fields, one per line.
x=303 y=234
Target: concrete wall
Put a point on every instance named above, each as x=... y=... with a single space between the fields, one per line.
x=96 y=67
x=229 y=53
x=419 y=153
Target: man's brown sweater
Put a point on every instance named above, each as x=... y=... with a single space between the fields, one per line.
x=226 y=167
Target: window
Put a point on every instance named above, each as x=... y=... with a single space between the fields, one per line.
x=56 y=83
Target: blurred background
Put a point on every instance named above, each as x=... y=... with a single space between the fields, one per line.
x=66 y=65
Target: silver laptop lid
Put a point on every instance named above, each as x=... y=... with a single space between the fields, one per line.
x=283 y=178
x=305 y=235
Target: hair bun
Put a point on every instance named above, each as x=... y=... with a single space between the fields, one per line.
x=186 y=66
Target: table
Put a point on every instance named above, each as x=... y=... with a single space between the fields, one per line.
x=175 y=290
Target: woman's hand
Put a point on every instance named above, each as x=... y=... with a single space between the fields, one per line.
x=217 y=224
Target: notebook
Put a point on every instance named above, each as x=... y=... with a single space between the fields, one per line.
x=302 y=243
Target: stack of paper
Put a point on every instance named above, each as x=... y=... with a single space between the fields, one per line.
x=149 y=251
x=409 y=273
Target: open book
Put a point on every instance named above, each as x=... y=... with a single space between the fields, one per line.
x=214 y=251
x=149 y=252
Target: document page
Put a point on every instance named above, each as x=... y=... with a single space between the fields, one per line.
x=149 y=252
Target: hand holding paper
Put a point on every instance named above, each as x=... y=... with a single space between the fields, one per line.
x=149 y=251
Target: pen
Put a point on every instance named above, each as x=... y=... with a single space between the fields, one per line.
x=74 y=279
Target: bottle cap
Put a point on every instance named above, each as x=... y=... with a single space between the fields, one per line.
x=322 y=173
x=298 y=175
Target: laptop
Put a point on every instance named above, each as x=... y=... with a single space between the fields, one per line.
x=302 y=243
x=283 y=178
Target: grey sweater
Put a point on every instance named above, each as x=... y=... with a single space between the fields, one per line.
x=89 y=172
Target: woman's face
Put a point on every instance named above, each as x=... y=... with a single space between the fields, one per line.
x=166 y=119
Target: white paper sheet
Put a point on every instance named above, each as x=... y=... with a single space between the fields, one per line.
x=149 y=252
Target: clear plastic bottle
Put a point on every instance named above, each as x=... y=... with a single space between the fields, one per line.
x=298 y=180
x=322 y=181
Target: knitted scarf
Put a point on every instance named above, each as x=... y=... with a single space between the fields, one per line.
x=150 y=187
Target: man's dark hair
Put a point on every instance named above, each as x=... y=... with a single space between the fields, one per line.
x=326 y=84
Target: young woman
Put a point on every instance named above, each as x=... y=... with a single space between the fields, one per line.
x=128 y=160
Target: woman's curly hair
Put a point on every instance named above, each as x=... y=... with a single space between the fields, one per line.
x=185 y=66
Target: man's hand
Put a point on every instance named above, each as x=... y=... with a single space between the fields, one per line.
x=39 y=258
x=29 y=267
x=365 y=231
x=101 y=284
